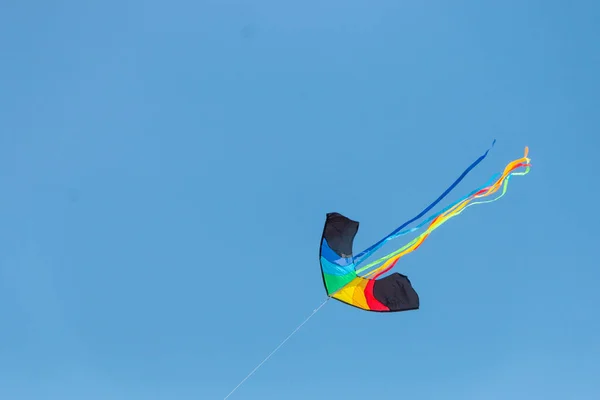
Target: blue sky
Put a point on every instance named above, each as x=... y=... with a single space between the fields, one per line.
x=166 y=169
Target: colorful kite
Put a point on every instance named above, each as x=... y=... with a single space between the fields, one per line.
x=364 y=287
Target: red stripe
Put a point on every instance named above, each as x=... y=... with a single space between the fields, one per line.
x=373 y=303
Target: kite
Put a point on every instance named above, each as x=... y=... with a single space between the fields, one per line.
x=364 y=287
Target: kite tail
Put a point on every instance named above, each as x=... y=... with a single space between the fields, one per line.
x=451 y=212
x=398 y=231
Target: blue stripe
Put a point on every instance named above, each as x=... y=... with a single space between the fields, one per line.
x=334 y=269
x=332 y=256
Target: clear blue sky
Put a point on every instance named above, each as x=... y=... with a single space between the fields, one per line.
x=166 y=168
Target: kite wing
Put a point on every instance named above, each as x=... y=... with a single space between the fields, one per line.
x=391 y=293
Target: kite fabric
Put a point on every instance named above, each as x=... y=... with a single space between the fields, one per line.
x=364 y=288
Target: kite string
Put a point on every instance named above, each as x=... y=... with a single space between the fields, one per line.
x=278 y=347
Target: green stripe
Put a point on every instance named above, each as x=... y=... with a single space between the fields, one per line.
x=336 y=282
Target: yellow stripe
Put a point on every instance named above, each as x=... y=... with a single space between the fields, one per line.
x=354 y=293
